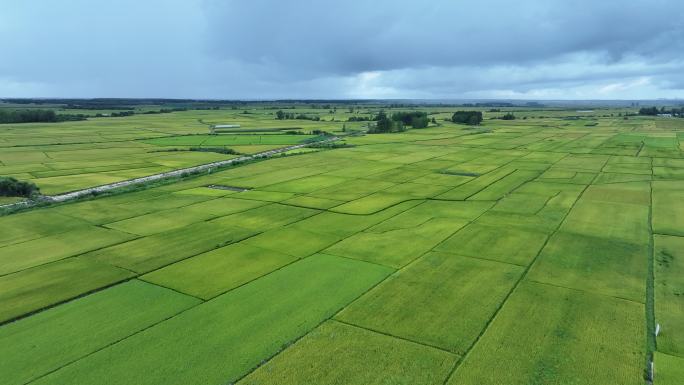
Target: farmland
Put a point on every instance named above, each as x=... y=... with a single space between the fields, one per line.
x=540 y=250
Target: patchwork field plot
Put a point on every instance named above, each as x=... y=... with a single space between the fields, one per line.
x=669 y=293
x=190 y=347
x=542 y=250
x=348 y=355
x=457 y=294
x=547 y=335
x=35 y=346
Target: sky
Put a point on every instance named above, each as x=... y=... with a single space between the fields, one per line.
x=332 y=49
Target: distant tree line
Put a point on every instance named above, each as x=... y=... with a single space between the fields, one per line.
x=360 y=118
x=120 y=114
x=37 y=116
x=654 y=111
x=166 y=110
x=11 y=187
x=280 y=115
x=472 y=118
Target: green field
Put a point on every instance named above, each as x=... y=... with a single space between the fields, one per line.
x=538 y=251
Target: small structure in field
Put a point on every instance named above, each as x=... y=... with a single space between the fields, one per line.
x=215 y=128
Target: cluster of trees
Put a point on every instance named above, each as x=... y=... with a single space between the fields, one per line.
x=472 y=118
x=167 y=110
x=11 y=187
x=508 y=116
x=360 y=119
x=653 y=111
x=384 y=124
x=415 y=119
x=37 y=116
x=280 y=115
x=398 y=121
x=120 y=114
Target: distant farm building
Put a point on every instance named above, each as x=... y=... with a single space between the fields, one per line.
x=222 y=127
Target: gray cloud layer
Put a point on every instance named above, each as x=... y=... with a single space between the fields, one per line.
x=274 y=49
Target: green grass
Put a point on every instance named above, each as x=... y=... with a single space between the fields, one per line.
x=36 y=252
x=476 y=185
x=292 y=241
x=597 y=264
x=207 y=343
x=35 y=224
x=505 y=185
x=35 y=346
x=669 y=293
x=228 y=140
x=171 y=219
x=348 y=355
x=33 y=289
x=667 y=212
x=554 y=336
x=212 y=273
x=265 y=217
x=395 y=247
x=149 y=253
x=621 y=221
x=372 y=203
x=512 y=253
x=503 y=244
x=669 y=370
x=458 y=295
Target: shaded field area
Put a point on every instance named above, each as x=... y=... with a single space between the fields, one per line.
x=536 y=251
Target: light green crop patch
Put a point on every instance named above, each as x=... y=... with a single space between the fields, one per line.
x=351 y=190
x=52 y=248
x=344 y=354
x=312 y=202
x=668 y=370
x=35 y=224
x=476 y=185
x=550 y=335
x=504 y=244
x=629 y=192
x=37 y=345
x=266 y=217
x=601 y=265
x=149 y=253
x=306 y=184
x=372 y=203
x=207 y=344
x=396 y=247
x=458 y=295
x=292 y=241
x=505 y=185
x=172 y=219
x=668 y=213
x=669 y=293
x=33 y=289
x=212 y=273
x=620 y=221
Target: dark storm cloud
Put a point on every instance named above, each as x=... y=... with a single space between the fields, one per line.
x=355 y=36
x=323 y=48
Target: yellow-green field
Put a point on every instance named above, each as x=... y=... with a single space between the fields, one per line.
x=535 y=251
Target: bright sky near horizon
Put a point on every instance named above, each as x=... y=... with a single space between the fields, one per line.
x=261 y=49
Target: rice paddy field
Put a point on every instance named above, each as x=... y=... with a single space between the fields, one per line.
x=538 y=251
